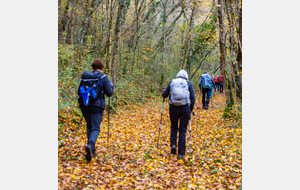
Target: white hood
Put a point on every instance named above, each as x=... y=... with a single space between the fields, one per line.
x=182 y=73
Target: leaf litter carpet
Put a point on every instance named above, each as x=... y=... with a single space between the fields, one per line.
x=132 y=160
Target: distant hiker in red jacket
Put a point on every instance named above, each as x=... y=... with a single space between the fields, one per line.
x=221 y=83
x=217 y=86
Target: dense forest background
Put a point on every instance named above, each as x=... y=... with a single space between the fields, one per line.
x=144 y=43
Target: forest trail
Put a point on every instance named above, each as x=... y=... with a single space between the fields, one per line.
x=134 y=162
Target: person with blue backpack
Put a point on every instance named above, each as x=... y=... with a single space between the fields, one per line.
x=182 y=100
x=206 y=84
x=92 y=90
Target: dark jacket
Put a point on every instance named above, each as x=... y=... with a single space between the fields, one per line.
x=166 y=93
x=106 y=86
x=212 y=81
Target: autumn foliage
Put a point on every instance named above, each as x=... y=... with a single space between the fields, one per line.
x=132 y=160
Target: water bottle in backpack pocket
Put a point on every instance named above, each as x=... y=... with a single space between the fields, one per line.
x=180 y=94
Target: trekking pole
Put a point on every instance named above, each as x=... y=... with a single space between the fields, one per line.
x=162 y=109
x=190 y=146
x=75 y=136
x=108 y=122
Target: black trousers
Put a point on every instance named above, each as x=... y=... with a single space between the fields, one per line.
x=217 y=87
x=205 y=96
x=221 y=87
x=182 y=113
x=93 y=118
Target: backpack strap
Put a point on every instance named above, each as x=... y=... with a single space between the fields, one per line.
x=100 y=78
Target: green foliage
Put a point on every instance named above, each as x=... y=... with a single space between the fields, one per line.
x=70 y=67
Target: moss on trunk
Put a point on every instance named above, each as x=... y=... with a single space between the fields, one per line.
x=230 y=102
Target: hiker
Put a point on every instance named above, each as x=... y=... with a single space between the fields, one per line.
x=216 y=79
x=214 y=86
x=92 y=108
x=205 y=84
x=182 y=101
x=221 y=83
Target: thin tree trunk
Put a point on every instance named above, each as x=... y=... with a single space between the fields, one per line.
x=188 y=38
x=162 y=77
x=108 y=42
x=191 y=45
x=135 y=34
x=72 y=28
x=68 y=11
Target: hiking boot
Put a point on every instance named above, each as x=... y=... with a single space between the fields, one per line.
x=206 y=107
x=180 y=157
x=173 y=149
x=89 y=153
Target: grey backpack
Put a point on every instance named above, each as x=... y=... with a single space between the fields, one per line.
x=180 y=94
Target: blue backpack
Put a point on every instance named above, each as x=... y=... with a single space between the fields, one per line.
x=90 y=88
x=206 y=81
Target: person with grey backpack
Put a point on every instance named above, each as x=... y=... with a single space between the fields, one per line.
x=182 y=100
x=206 y=83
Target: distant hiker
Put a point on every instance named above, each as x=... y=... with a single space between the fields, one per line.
x=214 y=86
x=205 y=84
x=182 y=101
x=93 y=86
x=216 y=79
x=221 y=83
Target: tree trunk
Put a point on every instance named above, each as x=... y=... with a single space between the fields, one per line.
x=229 y=102
x=59 y=3
x=232 y=46
x=65 y=22
x=108 y=42
x=60 y=24
x=123 y=6
x=239 y=57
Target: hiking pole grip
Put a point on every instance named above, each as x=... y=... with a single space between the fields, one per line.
x=162 y=112
x=75 y=136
